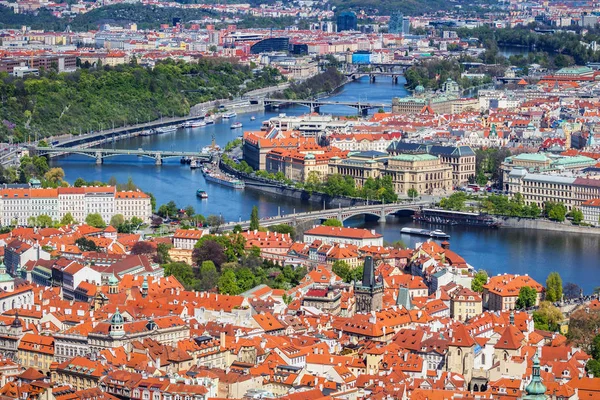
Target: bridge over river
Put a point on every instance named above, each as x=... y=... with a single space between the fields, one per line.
x=100 y=154
x=343 y=213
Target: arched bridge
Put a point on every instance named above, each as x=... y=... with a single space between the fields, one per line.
x=100 y=154
x=374 y=70
x=315 y=105
x=378 y=210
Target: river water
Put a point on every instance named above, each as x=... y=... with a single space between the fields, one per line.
x=521 y=251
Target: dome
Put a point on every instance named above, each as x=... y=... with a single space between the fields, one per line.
x=117 y=318
x=536 y=388
x=420 y=89
x=145 y=283
x=112 y=281
x=310 y=156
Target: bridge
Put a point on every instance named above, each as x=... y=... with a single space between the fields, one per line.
x=315 y=105
x=100 y=154
x=378 y=210
x=378 y=69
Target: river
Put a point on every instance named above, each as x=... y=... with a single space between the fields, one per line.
x=521 y=251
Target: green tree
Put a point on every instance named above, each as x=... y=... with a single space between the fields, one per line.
x=208 y=275
x=162 y=253
x=254 y=220
x=55 y=176
x=283 y=228
x=182 y=272
x=189 y=211
x=547 y=317
x=117 y=220
x=480 y=279
x=44 y=221
x=412 y=193
x=237 y=228
x=228 y=284
x=79 y=182
x=95 y=220
x=86 y=244
x=342 y=269
x=527 y=297
x=555 y=211
x=135 y=221
x=215 y=222
x=333 y=222
x=577 y=215
x=152 y=201
x=554 y=287
x=67 y=219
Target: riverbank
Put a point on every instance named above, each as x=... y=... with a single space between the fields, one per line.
x=545 y=225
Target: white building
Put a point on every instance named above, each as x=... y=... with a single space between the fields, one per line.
x=187 y=238
x=591 y=211
x=355 y=236
x=133 y=204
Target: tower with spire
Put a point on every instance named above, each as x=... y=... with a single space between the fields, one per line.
x=145 y=287
x=536 y=389
x=117 y=330
x=369 y=292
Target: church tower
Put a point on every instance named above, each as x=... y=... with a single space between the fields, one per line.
x=369 y=292
x=536 y=389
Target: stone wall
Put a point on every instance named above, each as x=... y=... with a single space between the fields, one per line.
x=544 y=224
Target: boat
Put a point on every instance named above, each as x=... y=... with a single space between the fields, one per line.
x=209 y=121
x=146 y=133
x=166 y=129
x=197 y=123
x=185 y=160
x=220 y=178
x=195 y=164
x=202 y=194
x=212 y=148
x=229 y=115
x=252 y=118
x=236 y=125
x=436 y=234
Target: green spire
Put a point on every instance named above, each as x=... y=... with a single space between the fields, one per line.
x=536 y=389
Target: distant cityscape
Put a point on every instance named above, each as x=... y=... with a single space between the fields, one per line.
x=300 y=180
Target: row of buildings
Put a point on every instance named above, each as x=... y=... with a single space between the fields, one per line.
x=18 y=205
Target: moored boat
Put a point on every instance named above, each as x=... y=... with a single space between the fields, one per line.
x=437 y=234
x=229 y=115
x=220 y=178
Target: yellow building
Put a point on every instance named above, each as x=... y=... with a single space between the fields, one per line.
x=423 y=172
x=465 y=304
x=36 y=351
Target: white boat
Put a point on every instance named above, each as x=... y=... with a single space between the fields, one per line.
x=209 y=121
x=166 y=129
x=197 y=123
x=195 y=164
x=437 y=234
x=229 y=115
x=146 y=133
x=252 y=118
x=236 y=125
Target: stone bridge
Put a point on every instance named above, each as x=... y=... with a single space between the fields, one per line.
x=378 y=210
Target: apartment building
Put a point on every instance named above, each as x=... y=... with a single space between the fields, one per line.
x=18 y=205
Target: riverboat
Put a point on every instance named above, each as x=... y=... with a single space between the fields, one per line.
x=230 y=115
x=447 y=217
x=202 y=194
x=236 y=125
x=222 y=179
x=436 y=234
x=194 y=164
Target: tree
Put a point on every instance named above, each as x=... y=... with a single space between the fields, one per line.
x=67 y=219
x=577 y=216
x=208 y=275
x=79 y=182
x=547 y=317
x=333 y=222
x=342 y=269
x=572 y=290
x=412 y=193
x=228 y=283
x=44 y=221
x=55 y=176
x=168 y=210
x=554 y=288
x=95 y=220
x=254 y=220
x=152 y=201
x=584 y=325
x=237 y=228
x=189 y=211
x=143 y=248
x=527 y=297
x=555 y=211
x=183 y=272
x=117 y=220
x=209 y=250
x=162 y=253
x=86 y=244
x=480 y=279
x=215 y=222
x=283 y=228
x=136 y=221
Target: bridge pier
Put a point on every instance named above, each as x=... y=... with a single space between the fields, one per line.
x=372 y=78
x=315 y=109
x=364 y=111
x=99 y=158
x=395 y=79
x=157 y=159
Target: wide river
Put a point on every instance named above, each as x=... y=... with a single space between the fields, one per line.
x=519 y=251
